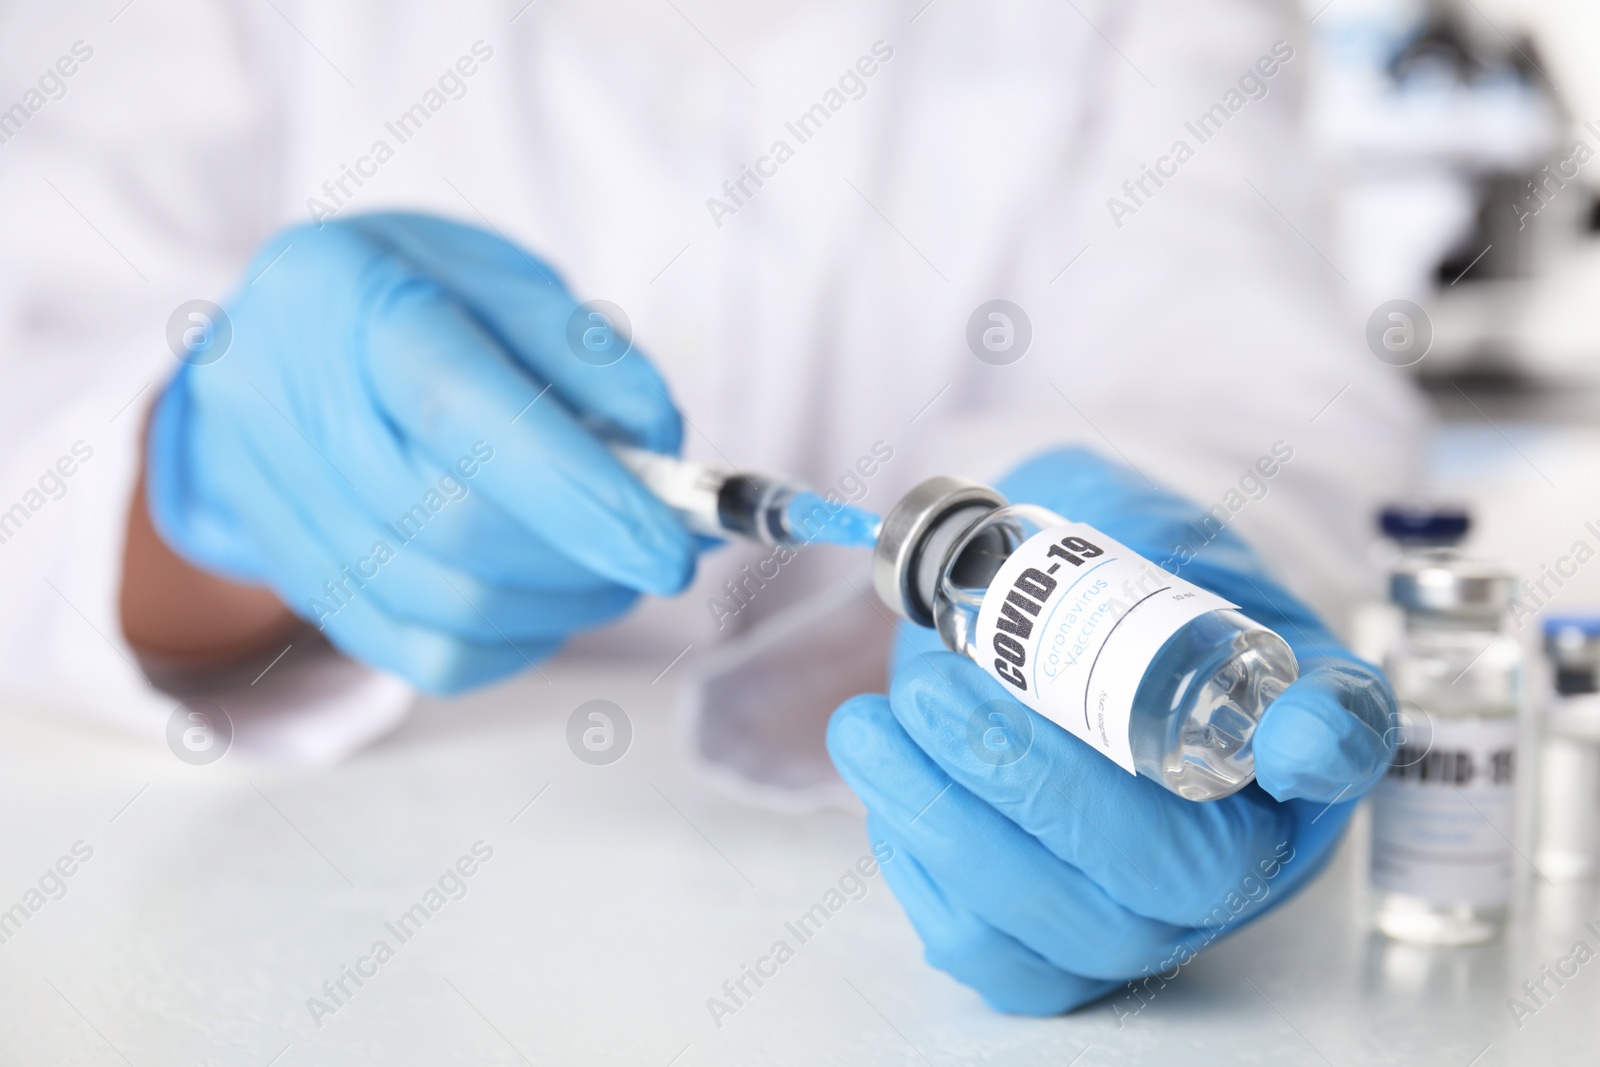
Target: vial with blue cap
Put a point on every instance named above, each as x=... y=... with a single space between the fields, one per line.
x=1404 y=532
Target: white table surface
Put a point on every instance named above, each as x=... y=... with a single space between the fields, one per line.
x=221 y=898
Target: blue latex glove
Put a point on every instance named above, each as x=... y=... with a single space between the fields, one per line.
x=1048 y=882
x=366 y=448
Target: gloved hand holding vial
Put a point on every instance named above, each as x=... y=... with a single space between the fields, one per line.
x=1041 y=872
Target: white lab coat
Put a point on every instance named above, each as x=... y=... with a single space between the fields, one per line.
x=799 y=324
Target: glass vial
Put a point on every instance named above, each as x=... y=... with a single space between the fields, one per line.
x=1569 y=753
x=1442 y=818
x=1164 y=678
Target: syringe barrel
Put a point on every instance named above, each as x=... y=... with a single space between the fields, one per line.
x=717 y=503
x=755 y=506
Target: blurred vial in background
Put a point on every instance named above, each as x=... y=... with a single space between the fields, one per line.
x=1404 y=532
x=1442 y=818
x=1569 y=756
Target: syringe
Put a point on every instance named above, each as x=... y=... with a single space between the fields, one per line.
x=772 y=509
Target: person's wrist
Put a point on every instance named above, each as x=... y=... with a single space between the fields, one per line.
x=182 y=615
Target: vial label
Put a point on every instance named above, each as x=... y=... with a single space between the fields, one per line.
x=1442 y=816
x=1070 y=623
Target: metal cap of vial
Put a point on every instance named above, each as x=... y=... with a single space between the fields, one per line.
x=1443 y=583
x=915 y=537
